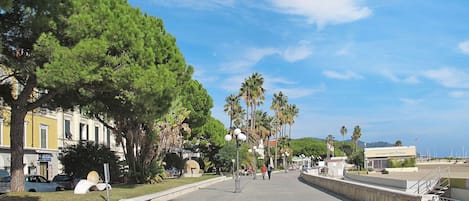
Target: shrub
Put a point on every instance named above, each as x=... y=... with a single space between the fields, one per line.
x=78 y=160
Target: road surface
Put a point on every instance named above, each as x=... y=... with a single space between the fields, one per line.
x=281 y=187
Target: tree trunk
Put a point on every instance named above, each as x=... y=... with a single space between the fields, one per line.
x=17 y=148
x=276 y=149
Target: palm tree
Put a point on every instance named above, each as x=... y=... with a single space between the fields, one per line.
x=343 y=132
x=279 y=102
x=292 y=112
x=398 y=143
x=357 y=133
x=229 y=107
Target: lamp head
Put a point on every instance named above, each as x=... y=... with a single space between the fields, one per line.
x=228 y=137
x=242 y=137
x=237 y=131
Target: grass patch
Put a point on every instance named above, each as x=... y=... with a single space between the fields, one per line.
x=118 y=191
x=458 y=183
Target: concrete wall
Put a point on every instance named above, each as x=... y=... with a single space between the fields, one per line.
x=358 y=191
x=385 y=182
x=460 y=194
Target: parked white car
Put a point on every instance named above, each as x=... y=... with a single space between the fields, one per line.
x=32 y=183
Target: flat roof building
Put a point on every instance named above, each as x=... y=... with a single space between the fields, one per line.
x=377 y=158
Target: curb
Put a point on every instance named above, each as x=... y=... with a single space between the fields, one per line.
x=176 y=192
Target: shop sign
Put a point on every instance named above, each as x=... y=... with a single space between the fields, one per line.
x=45 y=157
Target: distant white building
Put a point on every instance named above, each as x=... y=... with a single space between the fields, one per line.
x=377 y=158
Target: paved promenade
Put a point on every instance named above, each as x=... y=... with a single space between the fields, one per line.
x=282 y=187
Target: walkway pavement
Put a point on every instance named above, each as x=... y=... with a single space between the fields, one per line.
x=282 y=187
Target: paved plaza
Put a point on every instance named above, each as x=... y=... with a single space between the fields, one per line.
x=282 y=187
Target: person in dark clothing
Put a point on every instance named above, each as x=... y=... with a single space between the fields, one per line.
x=269 y=171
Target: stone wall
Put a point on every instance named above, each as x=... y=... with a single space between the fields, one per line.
x=358 y=191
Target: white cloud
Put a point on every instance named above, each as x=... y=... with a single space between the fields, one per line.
x=409 y=101
x=322 y=13
x=293 y=54
x=249 y=59
x=251 y=56
x=412 y=79
x=458 y=94
x=294 y=93
x=344 y=51
x=342 y=76
x=464 y=47
x=451 y=78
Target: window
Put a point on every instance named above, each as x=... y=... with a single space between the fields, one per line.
x=67 y=132
x=108 y=136
x=96 y=135
x=43 y=132
x=84 y=132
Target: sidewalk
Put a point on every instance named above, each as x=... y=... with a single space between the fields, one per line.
x=178 y=191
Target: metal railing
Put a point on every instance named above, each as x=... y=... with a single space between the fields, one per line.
x=431 y=180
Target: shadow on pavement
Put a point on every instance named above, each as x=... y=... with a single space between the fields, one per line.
x=324 y=190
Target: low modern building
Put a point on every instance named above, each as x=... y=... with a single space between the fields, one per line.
x=377 y=158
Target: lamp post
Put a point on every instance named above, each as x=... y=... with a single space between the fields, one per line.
x=239 y=136
x=285 y=155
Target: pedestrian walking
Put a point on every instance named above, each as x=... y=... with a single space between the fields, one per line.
x=269 y=171
x=263 y=170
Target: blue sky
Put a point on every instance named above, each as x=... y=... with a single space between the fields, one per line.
x=397 y=68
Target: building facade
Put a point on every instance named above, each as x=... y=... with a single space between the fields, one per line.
x=377 y=158
x=47 y=133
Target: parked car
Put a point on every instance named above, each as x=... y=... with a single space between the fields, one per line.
x=32 y=183
x=67 y=181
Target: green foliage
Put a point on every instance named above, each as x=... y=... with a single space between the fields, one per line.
x=78 y=160
x=401 y=163
x=308 y=147
x=208 y=140
x=357 y=158
x=228 y=152
x=197 y=100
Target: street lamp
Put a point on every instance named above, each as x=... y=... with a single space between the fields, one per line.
x=285 y=155
x=239 y=136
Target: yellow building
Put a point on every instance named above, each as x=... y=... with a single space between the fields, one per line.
x=47 y=133
x=40 y=143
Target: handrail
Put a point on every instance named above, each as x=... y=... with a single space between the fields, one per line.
x=429 y=181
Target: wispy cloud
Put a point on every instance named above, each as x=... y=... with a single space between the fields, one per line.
x=341 y=76
x=449 y=77
x=458 y=94
x=344 y=50
x=250 y=58
x=196 y=4
x=294 y=93
x=409 y=101
x=464 y=47
x=322 y=13
x=411 y=79
x=296 y=53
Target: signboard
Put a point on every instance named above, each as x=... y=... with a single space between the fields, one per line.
x=45 y=157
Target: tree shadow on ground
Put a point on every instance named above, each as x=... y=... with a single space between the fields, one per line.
x=18 y=198
x=338 y=196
